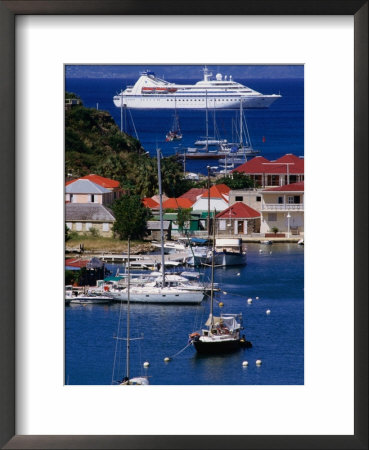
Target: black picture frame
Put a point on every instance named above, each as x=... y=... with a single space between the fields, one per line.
x=8 y=11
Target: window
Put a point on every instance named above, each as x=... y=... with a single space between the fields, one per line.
x=88 y=226
x=105 y=227
x=92 y=198
x=280 y=200
x=69 y=225
x=239 y=198
x=79 y=226
x=222 y=224
x=258 y=198
x=290 y=199
x=272 y=217
x=296 y=199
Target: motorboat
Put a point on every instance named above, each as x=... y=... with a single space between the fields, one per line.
x=229 y=252
x=152 y=92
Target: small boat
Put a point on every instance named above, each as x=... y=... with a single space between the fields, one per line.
x=91 y=298
x=175 y=133
x=170 y=247
x=301 y=242
x=266 y=242
x=228 y=252
x=223 y=333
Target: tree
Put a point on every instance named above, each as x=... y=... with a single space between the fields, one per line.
x=183 y=216
x=130 y=217
x=67 y=234
x=237 y=180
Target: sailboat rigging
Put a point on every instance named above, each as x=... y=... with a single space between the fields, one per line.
x=127 y=380
x=175 y=133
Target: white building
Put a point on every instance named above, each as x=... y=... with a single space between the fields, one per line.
x=282 y=207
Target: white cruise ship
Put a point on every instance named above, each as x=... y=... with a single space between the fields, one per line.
x=151 y=92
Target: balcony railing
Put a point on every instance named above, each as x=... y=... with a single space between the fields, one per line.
x=283 y=207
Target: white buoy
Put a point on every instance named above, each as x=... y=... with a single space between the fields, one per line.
x=166 y=359
x=256 y=298
x=258 y=362
x=224 y=292
x=245 y=364
x=238 y=274
x=249 y=301
x=267 y=311
x=146 y=364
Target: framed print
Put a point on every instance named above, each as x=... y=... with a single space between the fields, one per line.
x=49 y=401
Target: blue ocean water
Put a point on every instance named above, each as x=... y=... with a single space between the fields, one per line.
x=274 y=131
x=275 y=275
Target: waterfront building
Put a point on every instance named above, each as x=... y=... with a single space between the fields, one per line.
x=282 y=207
x=82 y=217
x=264 y=173
x=85 y=191
x=153 y=230
x=238 y=219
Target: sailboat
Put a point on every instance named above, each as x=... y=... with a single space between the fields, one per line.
x=127 y=380
x=162 y=290
x=223 y=333
x=175 y=133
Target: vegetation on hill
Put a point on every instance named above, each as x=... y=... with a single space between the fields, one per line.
x=95 y=144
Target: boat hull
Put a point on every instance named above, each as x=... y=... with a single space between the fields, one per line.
x=217 y=346
x=230 y=259
x=157 y=101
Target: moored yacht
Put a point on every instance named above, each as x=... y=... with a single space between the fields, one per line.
x=152 y=92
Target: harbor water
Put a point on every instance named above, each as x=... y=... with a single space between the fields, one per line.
x=274 y=274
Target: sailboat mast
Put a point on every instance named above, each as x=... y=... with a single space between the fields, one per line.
x=241 y=122
x=161 y=217
x=207 y=120
x=128 y=304
x=212 y=279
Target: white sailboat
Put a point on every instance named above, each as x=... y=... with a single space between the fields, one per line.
x=160 y=290
x=127 y=380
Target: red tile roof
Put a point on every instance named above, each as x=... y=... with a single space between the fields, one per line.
x=217 y=191
x=293 y=187
x=101 y=181
x=193 y=193
x=238 y=211
x=76 y=262
x=175 y=203
x=150 y=203
x=259 y=165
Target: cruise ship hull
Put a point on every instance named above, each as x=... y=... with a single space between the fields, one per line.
x=191 y=102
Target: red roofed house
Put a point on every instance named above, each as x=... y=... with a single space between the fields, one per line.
x=106 y=183
x=238 y=219
x=283 y=207
x=285 y=170
x=148 y=202
x=194 y=194
x=219 y=199
x=176 y=203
